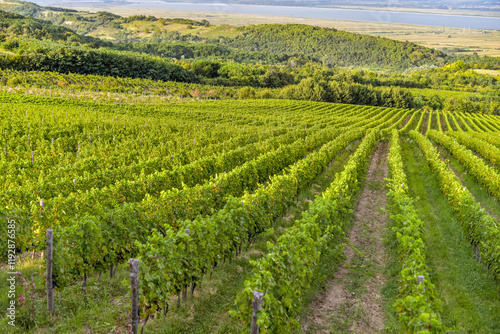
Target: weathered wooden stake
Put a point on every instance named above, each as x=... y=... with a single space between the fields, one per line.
x=134 y=283
x=42 y=204
x=48 y=275
x=193 y=286
x=420 y=279
x=257 y=306
x=29 y=139
x=184 y=294
x=78 y=147
x=32 y=157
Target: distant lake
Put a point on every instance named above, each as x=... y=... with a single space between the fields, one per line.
x=456 y=21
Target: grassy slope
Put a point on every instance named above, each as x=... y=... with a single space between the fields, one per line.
x=470 y=296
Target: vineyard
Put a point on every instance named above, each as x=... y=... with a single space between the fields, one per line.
x=242 y=213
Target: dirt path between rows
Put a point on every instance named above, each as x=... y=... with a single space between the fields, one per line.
x=427 y=118
x=444 y=127
x=405 y=122
x=352 y=300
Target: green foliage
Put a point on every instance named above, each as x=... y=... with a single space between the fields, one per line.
x=133 y=18
x=477 y=167
x=299 y=250
x=128 y=88
x=127 y=180
x=68 y=59
x=311 y=89
x=479 y=228
x=270 y=56
x=332 y=47
x=17 y=26
x=418 y=306
x=246 y=93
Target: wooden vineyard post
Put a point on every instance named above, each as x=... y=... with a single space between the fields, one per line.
x=184 y=289
x=48 y=278
x=420 y=279
x=257 y=306
x=134 y=283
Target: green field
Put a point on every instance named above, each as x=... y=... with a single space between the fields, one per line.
x=191 y=172
x=197 y=190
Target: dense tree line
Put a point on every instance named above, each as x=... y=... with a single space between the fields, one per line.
x=208 y=51
x=64 y=59
x=343 y=92
x=457 y=75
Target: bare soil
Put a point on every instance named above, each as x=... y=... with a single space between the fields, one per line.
x=424 y=124
x=405 y=122
x=352 y=299
x=443 y=124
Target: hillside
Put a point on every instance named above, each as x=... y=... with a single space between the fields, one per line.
x=19 y=26
x=332 y=47
x=280 y=61
x=328 y=46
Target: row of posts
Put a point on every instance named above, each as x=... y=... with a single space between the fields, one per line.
x=134 y=283
x=258 y=296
